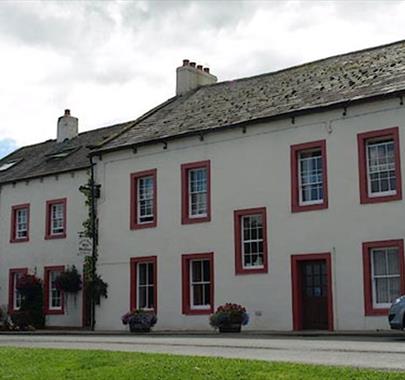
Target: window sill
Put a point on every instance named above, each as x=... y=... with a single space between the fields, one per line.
x=203 y=219
x=52 y=237
x=377 y=312
x=19 y=240
x=54 y=312
x=381 y=199
x=309 y=207
x=207 y=311
x=242 y=271
x=141 y=226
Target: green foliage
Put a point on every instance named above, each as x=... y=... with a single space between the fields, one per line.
x=31 y=311
x=47 y=364
x=95 y=286
x=69 y=281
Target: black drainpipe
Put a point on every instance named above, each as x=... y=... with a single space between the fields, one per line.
x=93 y=216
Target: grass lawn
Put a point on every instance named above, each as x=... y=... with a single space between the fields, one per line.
x=43 y=364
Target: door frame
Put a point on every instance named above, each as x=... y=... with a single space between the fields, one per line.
x=296 y=260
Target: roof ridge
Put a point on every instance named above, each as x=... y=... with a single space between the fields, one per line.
x=286 y=69
x=134 y=122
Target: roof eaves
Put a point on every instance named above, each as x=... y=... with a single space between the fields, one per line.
x=296 y=112
x=46 y=174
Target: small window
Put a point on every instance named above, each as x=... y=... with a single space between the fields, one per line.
x=56 y=219
x=20 y=218
x=15 y=297
x=309 y=176
x=196 y=198
x=379 y=166
x=7 y=165
x=144 y=283
x=54 y=297
x=384 y=277
x=143 y=199
x=250 y=241
x=61 y=154
x=198 y=283
x=198 y=193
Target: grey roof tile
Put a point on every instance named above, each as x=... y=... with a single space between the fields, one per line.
x=36 y=160
x=353 y=76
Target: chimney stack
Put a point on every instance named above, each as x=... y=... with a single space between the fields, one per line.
x=191 y=76
x=68 y=127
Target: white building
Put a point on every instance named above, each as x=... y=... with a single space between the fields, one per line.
x=281 y=192
x=42 y=212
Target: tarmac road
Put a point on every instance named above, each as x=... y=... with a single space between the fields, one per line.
x=368 y=352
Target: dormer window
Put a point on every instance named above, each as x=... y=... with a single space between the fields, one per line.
x=9 y=164
x=61 y=154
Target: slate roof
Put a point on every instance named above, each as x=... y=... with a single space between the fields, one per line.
x=34 y=161
x=329 y=82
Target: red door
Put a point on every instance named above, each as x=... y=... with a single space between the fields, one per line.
x=312 y=303
x=314 y=295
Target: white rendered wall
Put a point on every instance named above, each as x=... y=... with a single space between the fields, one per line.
x=250 y=170
x=38 y=252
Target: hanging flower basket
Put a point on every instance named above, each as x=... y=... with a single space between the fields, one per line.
x=139 y=320
x=229 y=318
x=69 y=281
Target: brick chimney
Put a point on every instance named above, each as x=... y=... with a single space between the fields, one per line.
x=68 y=127
x=191 y=76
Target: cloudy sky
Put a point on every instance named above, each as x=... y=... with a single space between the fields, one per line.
x=110 y=61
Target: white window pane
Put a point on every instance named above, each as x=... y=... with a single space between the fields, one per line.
x=393 y=261
x=385 y=275
x=379 y=262
x=198 y=194
x=200 y=283
x=57 y=218
x=252 y=241
x=310 y=177
x=381 y=167
x=145 y=199
x=382 y=290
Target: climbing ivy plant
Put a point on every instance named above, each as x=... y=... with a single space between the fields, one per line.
x=93 y=282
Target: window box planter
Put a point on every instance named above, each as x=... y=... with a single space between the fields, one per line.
x=139 y=321
x=230 y=328
x=135 y=327
x=229 y=318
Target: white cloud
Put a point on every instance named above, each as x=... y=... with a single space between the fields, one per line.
x=112 y=61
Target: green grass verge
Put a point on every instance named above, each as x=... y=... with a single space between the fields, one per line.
x=44 y=364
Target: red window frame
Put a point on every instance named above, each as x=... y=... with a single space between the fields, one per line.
x=295 y=150
x=133 y=276
x=185 y=266
x=369 y=309
x=362 y=139
x=11 y=286
x=238 y=214
x=134 y=178
x=48 y=227
x=13 y=230
x=185 y=169
x=47 y=272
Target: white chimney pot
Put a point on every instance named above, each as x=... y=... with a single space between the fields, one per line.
x=68 y=127
x=190 y=77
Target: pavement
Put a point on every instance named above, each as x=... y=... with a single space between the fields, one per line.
x=379 y=352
